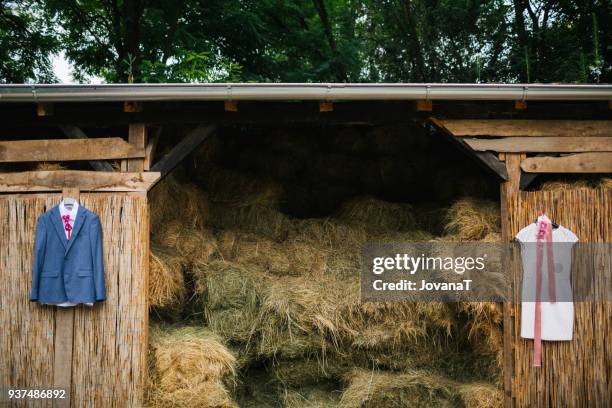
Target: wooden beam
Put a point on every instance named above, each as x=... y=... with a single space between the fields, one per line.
x=63 y=341
x=230 y=106
x=485 y=159
x=44 y=109
x=132 y=106
x=527 y=127
x=193 y=139
x=150 y=149
x=553 y=144
x=32 y=181
x=325 y=106
x=575 y=163
x=136 y=137
x=76 y=133
x=520 y=105
x=67 y=150
x=424 y=105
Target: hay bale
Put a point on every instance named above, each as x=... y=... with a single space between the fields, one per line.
x=259 y=219
x=378 y=216
x=481 y=395
x=311 y=397
x=288 y=258
x=308 y=371
x=190 y=367
x=191 y=243
x=472 y=220
x=484 y=329
x=566 y=183
x=329 y=234
x=184 y=202
x=387 y=389
x=230 y=295
x=302 y=316
x=166 y=279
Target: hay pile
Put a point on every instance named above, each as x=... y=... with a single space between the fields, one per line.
x=283 y=292
x=180 y=238
x=190 y=368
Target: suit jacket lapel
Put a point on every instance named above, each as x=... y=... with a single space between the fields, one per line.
x=78 y=223
x=56 y=220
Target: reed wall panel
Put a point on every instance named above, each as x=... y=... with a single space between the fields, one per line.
x=110 y=339
x=575 y=373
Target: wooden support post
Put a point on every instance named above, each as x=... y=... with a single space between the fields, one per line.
x=326 y=106
x=230 y=106
x=424 y=105
x=64 y=334
x=509 y=189
x=136 y=137
x=44 y=109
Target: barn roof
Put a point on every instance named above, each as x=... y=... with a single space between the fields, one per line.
x=301 y=91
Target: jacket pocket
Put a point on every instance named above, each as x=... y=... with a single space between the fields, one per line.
x=49 y=273
x=85 y=272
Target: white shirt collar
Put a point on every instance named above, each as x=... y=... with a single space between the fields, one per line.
x=72 y=212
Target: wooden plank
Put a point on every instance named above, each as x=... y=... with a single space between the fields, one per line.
x=486 y=159
x=527 y=127
x=67 y=150
x=508 y=190
x=136 y=137
x=58 y=180
x=552 y=144
x=575 y=163
x=193 y=139
x=150 y=149
x=75 y=132
x=64 y=337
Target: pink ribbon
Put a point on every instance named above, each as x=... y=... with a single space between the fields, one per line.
x=67 y=225
x=544 y=235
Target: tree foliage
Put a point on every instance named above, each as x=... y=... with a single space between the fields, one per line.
x=316 y=40
x=25 y=45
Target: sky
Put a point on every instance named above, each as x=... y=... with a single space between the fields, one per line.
x=62 y=69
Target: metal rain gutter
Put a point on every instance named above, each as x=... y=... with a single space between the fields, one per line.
x=297 y=91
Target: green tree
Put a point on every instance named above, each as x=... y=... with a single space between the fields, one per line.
x=25 y=45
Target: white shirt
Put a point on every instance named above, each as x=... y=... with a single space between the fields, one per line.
x=72 y=212
x=557 y=318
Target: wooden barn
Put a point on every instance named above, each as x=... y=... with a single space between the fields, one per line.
x=109 y=138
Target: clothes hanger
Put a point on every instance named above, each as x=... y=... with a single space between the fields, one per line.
x=69 y=202
x=554 y=225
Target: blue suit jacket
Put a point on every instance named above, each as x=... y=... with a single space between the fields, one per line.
x=68 y=270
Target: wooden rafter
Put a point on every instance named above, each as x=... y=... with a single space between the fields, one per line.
x=486 y=159
x=39 y=181
x=193 y=139
x=527 y=127
x=67 y=150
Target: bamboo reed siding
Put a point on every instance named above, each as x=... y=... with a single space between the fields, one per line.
x=110 y=340
x=575 y=373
